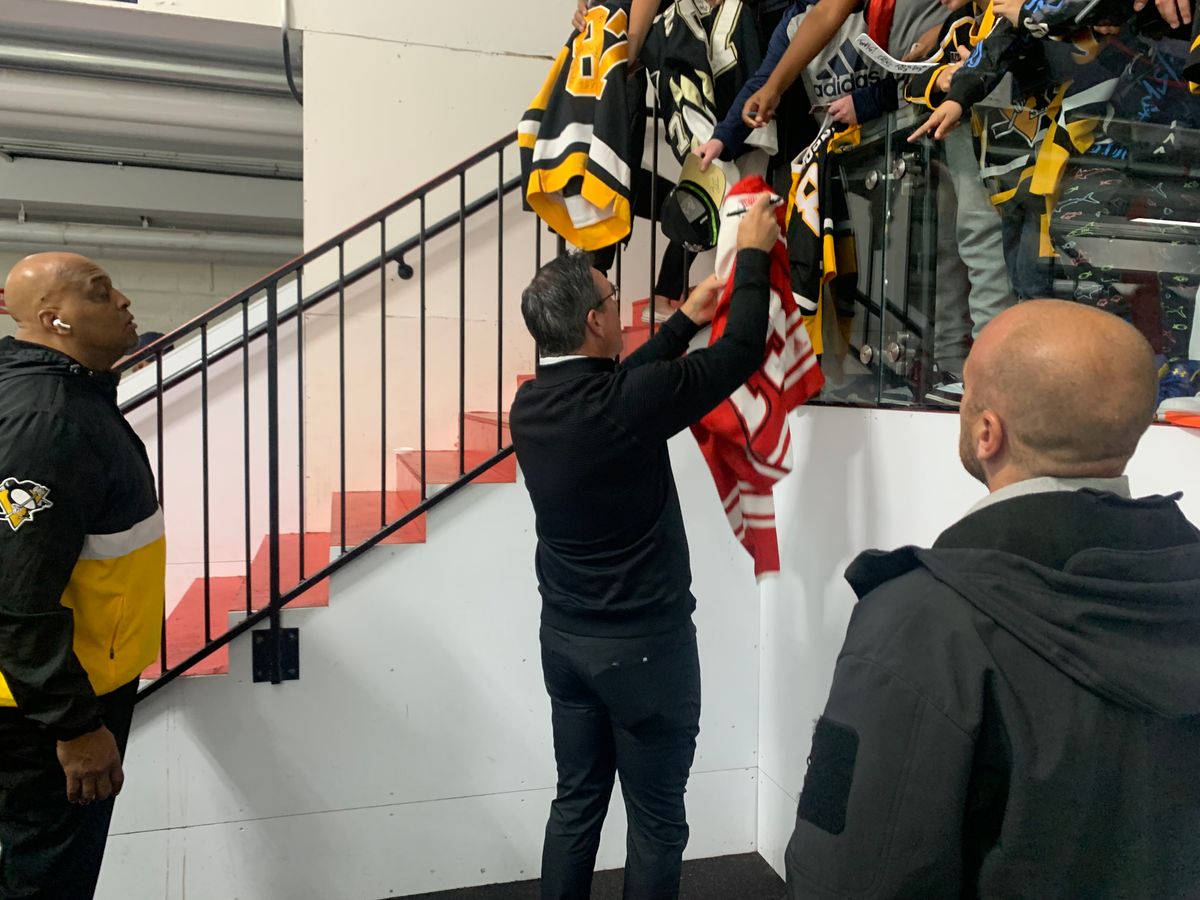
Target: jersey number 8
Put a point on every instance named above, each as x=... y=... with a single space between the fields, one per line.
x=591 y=63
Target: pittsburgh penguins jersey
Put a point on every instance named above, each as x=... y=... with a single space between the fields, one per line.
x=821 y=250
x=1050 y=128
x=1061 y=93
x=700 y=57
x=576 y=138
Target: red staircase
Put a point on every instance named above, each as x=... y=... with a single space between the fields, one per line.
x=185 y=624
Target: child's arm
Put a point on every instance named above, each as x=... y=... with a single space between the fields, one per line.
x=816 y=30
x=929 y=88
x=978 y=77
x=641 y=17
x=729 y=137
x=987 y=65
x=1174 y=12
x=867 y=103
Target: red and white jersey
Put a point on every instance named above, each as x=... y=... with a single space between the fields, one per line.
x=746 y=440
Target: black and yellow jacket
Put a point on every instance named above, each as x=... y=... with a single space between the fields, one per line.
x=82 y=551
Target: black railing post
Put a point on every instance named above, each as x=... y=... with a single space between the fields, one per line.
x=160 y=430
x=620 y=278
x=537 y=244
x=424 y=467
x=383 y=367
x=246 y=450
x=621 y=275
x=300 y=409
x=424 y=450
x=537 y=267
x=276 y=591
x=653 y=212
x=204 y=483
x=341 y=293
x=462 y=323
x=500 y=303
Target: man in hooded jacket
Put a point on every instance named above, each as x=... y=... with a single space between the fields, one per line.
x=1016 y=710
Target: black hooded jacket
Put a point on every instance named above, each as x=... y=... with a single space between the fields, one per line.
x=82 y=549
x=1015 y=712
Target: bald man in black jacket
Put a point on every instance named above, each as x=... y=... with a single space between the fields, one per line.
x=1016 y=710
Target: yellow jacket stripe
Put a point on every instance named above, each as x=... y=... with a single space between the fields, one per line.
x=116 y=593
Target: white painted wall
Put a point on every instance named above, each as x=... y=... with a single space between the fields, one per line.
x=474 y=26
x=414 y=754
x=870 y=478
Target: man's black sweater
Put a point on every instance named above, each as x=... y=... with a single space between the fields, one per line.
x=591 y=439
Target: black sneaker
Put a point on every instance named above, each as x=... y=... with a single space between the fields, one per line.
x=947 y=391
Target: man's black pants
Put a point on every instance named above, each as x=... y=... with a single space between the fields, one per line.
x=51 y=849
x=628 y=706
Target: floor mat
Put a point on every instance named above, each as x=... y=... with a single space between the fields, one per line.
x=745 y=877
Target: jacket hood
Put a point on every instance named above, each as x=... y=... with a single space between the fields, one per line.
x=19 y=359
x=1106 y=590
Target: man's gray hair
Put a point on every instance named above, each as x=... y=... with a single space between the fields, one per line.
x=557 y=302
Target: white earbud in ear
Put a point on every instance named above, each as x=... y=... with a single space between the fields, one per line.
x=61 y=325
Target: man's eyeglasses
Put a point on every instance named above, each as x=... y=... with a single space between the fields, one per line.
x=614 y=293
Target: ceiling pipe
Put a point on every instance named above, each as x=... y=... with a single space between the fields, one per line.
x=270 y=163
x=52 y=235
x=100 y=62
x=72 y=97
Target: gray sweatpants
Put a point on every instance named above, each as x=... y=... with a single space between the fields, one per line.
x=972 y=280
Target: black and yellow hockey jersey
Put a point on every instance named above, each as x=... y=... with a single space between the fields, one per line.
x=820 y=241
x=578 y=153
x=1061 y=92
x=699 y=58
x=82 y=551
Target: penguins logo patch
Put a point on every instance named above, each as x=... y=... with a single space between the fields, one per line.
x=20 y=501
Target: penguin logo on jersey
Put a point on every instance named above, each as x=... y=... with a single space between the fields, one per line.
x=20 y=501
x=1023 y=122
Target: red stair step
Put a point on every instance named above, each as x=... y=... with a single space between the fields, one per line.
x=316 y=557
x=185 y=625
x=635 y=336
x=362 y=517
x=479 y=431
x=442 y=467
x=639 y=309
